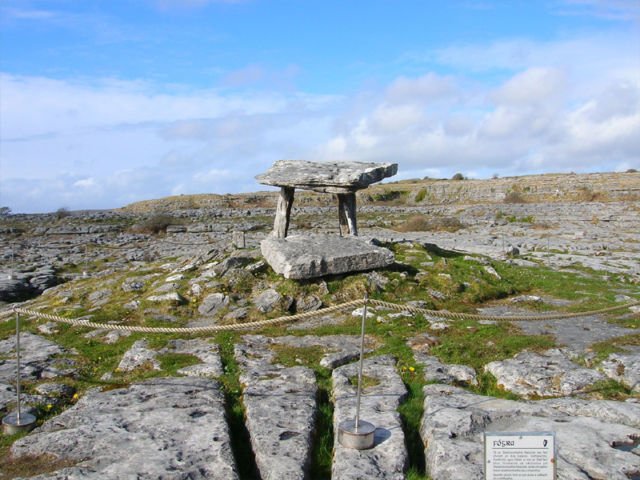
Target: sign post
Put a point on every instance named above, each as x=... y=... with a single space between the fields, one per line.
x=519 y=456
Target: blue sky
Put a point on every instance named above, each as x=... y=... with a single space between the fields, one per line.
x=103 y=103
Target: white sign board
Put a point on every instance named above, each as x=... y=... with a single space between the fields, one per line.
x=519 y=456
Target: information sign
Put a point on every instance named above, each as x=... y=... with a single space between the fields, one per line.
x=519 y=456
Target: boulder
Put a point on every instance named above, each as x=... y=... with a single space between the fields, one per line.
x=309 y=256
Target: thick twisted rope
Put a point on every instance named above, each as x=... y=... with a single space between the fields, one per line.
x=318 y=313
x=505 y=318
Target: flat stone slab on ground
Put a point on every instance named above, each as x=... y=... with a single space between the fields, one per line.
x=436 y=371
x=160 y=428
x=576 y=334
x=546 y=374
x=379 y=404
x=624 y=368
x=593 y=438
x=331 y=177
x=309 y=256
x=280 y=409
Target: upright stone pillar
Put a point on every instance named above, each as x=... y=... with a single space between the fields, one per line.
x=347 y=213
x=283 y=212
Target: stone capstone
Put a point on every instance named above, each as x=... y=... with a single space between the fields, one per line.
x=309 y=256
x=161 y=428
x=331 y=177
x=595 y=438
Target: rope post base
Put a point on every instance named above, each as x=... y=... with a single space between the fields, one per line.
x=17 y=422
x=360 y=436
x=357 y=433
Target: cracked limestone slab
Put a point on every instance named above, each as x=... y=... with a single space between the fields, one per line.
x=436 y=371
x=162 y=428
x=280 y=409
x=593 y=438
x=547 y=374
x=207 y=353
x=379 y=404
x=623 y=367
x=39 y=358
x=311 y=256
x=137 y=356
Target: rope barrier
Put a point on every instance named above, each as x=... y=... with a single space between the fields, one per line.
x=318 y=313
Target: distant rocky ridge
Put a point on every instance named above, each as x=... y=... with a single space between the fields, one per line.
x=531 y=188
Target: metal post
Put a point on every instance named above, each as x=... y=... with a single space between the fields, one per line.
x=359 y=391
x=18 y=364
x=17 y=422
x=357 y=433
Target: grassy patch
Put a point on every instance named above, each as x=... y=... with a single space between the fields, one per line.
x=367 y=382
x=235 y=411
x=295 y=356
x=172 y=362
x=30 y=465
x=470 y=343
x=615 y=345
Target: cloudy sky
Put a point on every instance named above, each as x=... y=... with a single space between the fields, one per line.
x=103 y=103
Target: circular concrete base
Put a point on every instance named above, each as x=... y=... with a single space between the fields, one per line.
x=361 y=438
x=11 y=425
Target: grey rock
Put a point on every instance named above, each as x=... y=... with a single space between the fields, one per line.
x=310 y=256
x=48 y=328
x=377 y=280
x=238 y=260
x=237 y=314
x=132 y=305
x=623 y=367
x=577 y=334
x=280 y=405
x=436 y=371
x=492 y=271
x=332 y=177
x=171 y=297
x=308 y=303
x=547 y=374
x=212 y=303
x=267 y=301
x=100 y=297
x=14 y=289
x=422 y=343
x=455 y=420
x=204 y=351
x=37 y=354
x=137 y=356
x=379 y=403
x=161 y=428
x=526 y=299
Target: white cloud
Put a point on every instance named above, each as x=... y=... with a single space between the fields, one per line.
x=104 y=143
x=534 y=85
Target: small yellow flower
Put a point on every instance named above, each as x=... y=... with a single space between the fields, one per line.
x=49 y=406
x=75 y=397
x=411 y=369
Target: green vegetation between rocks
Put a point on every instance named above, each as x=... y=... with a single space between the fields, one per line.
x=436 y=278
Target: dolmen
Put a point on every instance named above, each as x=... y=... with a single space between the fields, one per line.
x=309 y=256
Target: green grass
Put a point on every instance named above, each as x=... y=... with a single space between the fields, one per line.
x=469 y=343
x=419 y=270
